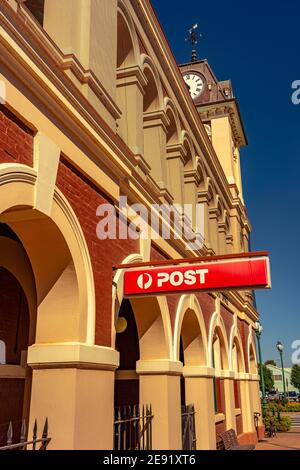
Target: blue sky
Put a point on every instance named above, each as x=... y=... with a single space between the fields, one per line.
x=256 y=45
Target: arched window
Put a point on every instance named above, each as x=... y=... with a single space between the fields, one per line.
x=2 y=352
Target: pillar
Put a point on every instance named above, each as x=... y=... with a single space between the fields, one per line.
x=199 y=391
x=175 y=162
x=222 y=238
x=73 y=386
x=204 y=200
x=155 y=131
x=229 y=399
x=130 y=83
x=246 y=403
x=214 y=230
x=160 y=388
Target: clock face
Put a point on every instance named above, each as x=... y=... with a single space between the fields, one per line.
x=195 y=83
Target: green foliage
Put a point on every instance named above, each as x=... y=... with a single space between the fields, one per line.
x=280 y=423
x=288 y=407
x=268 y=376
x=292 y=407
x=295 y=376
x=270 y=362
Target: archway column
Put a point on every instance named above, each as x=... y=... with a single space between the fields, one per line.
x=228 y=377
x=73 y=386
x=199 y=390
x=160 y=387
x=256 y=402
x=246 y=403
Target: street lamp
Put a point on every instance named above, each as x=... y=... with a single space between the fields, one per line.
x=280 y=348
x=258 y=331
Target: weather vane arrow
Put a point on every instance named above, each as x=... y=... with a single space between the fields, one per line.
x=193 y=37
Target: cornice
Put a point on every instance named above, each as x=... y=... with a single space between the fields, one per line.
x=228 y=107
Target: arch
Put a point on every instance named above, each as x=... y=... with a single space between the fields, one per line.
x=211 y=192
x=252 y=358
x=189 y=323
x=217 y=327
x=154 y=327
x=174 y=128
x=236 y=340
x=63 y=279
x=127 y=42
x=153 y=92
x=190 y=159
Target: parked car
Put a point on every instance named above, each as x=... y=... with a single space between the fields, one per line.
x=273 y=395
x=292 y=396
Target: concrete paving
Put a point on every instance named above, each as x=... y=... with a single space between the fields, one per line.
x=284 y=441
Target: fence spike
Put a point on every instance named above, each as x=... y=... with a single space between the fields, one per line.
x=45 y=430
x=10 y=434
x=34 y=436
x=23 y=432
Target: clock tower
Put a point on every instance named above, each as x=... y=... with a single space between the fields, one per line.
x=220 y=114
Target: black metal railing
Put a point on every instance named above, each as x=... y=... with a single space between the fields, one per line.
x=133 y=428
x=23 y=442
x=256 y=416
x=188 y=427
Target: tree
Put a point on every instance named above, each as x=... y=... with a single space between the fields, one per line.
x=268 y=377
x=295 y=376
x=270 y=362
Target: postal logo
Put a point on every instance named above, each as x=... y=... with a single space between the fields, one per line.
x=144 y=281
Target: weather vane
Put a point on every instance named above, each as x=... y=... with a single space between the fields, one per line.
x=193 y=39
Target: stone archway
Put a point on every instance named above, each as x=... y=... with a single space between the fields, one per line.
x=58 y=284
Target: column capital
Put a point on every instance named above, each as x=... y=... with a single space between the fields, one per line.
x=224 y=374
x=72 y=355
x=159 y=367
x=156 y=119
x=198 y=371
x=131 y=76
x=243 y=376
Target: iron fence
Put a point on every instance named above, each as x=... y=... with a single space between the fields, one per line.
x=23 y=442
x=133 y=428
x=188 y=427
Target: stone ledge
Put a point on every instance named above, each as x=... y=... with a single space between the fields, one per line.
x=77 y=355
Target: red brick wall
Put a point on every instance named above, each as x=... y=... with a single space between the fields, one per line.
x=239 y=425
x=243 y=329
x=84 y=198
x=16 y=140
x=207 y=305
x=237 y=396
x=220 y=428
x=227 y=318
x=11 y=407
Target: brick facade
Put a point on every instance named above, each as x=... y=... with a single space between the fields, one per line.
x=16 y=139
x=84 y=198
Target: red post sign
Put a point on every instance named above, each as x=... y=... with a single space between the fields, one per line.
x=229 y=274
